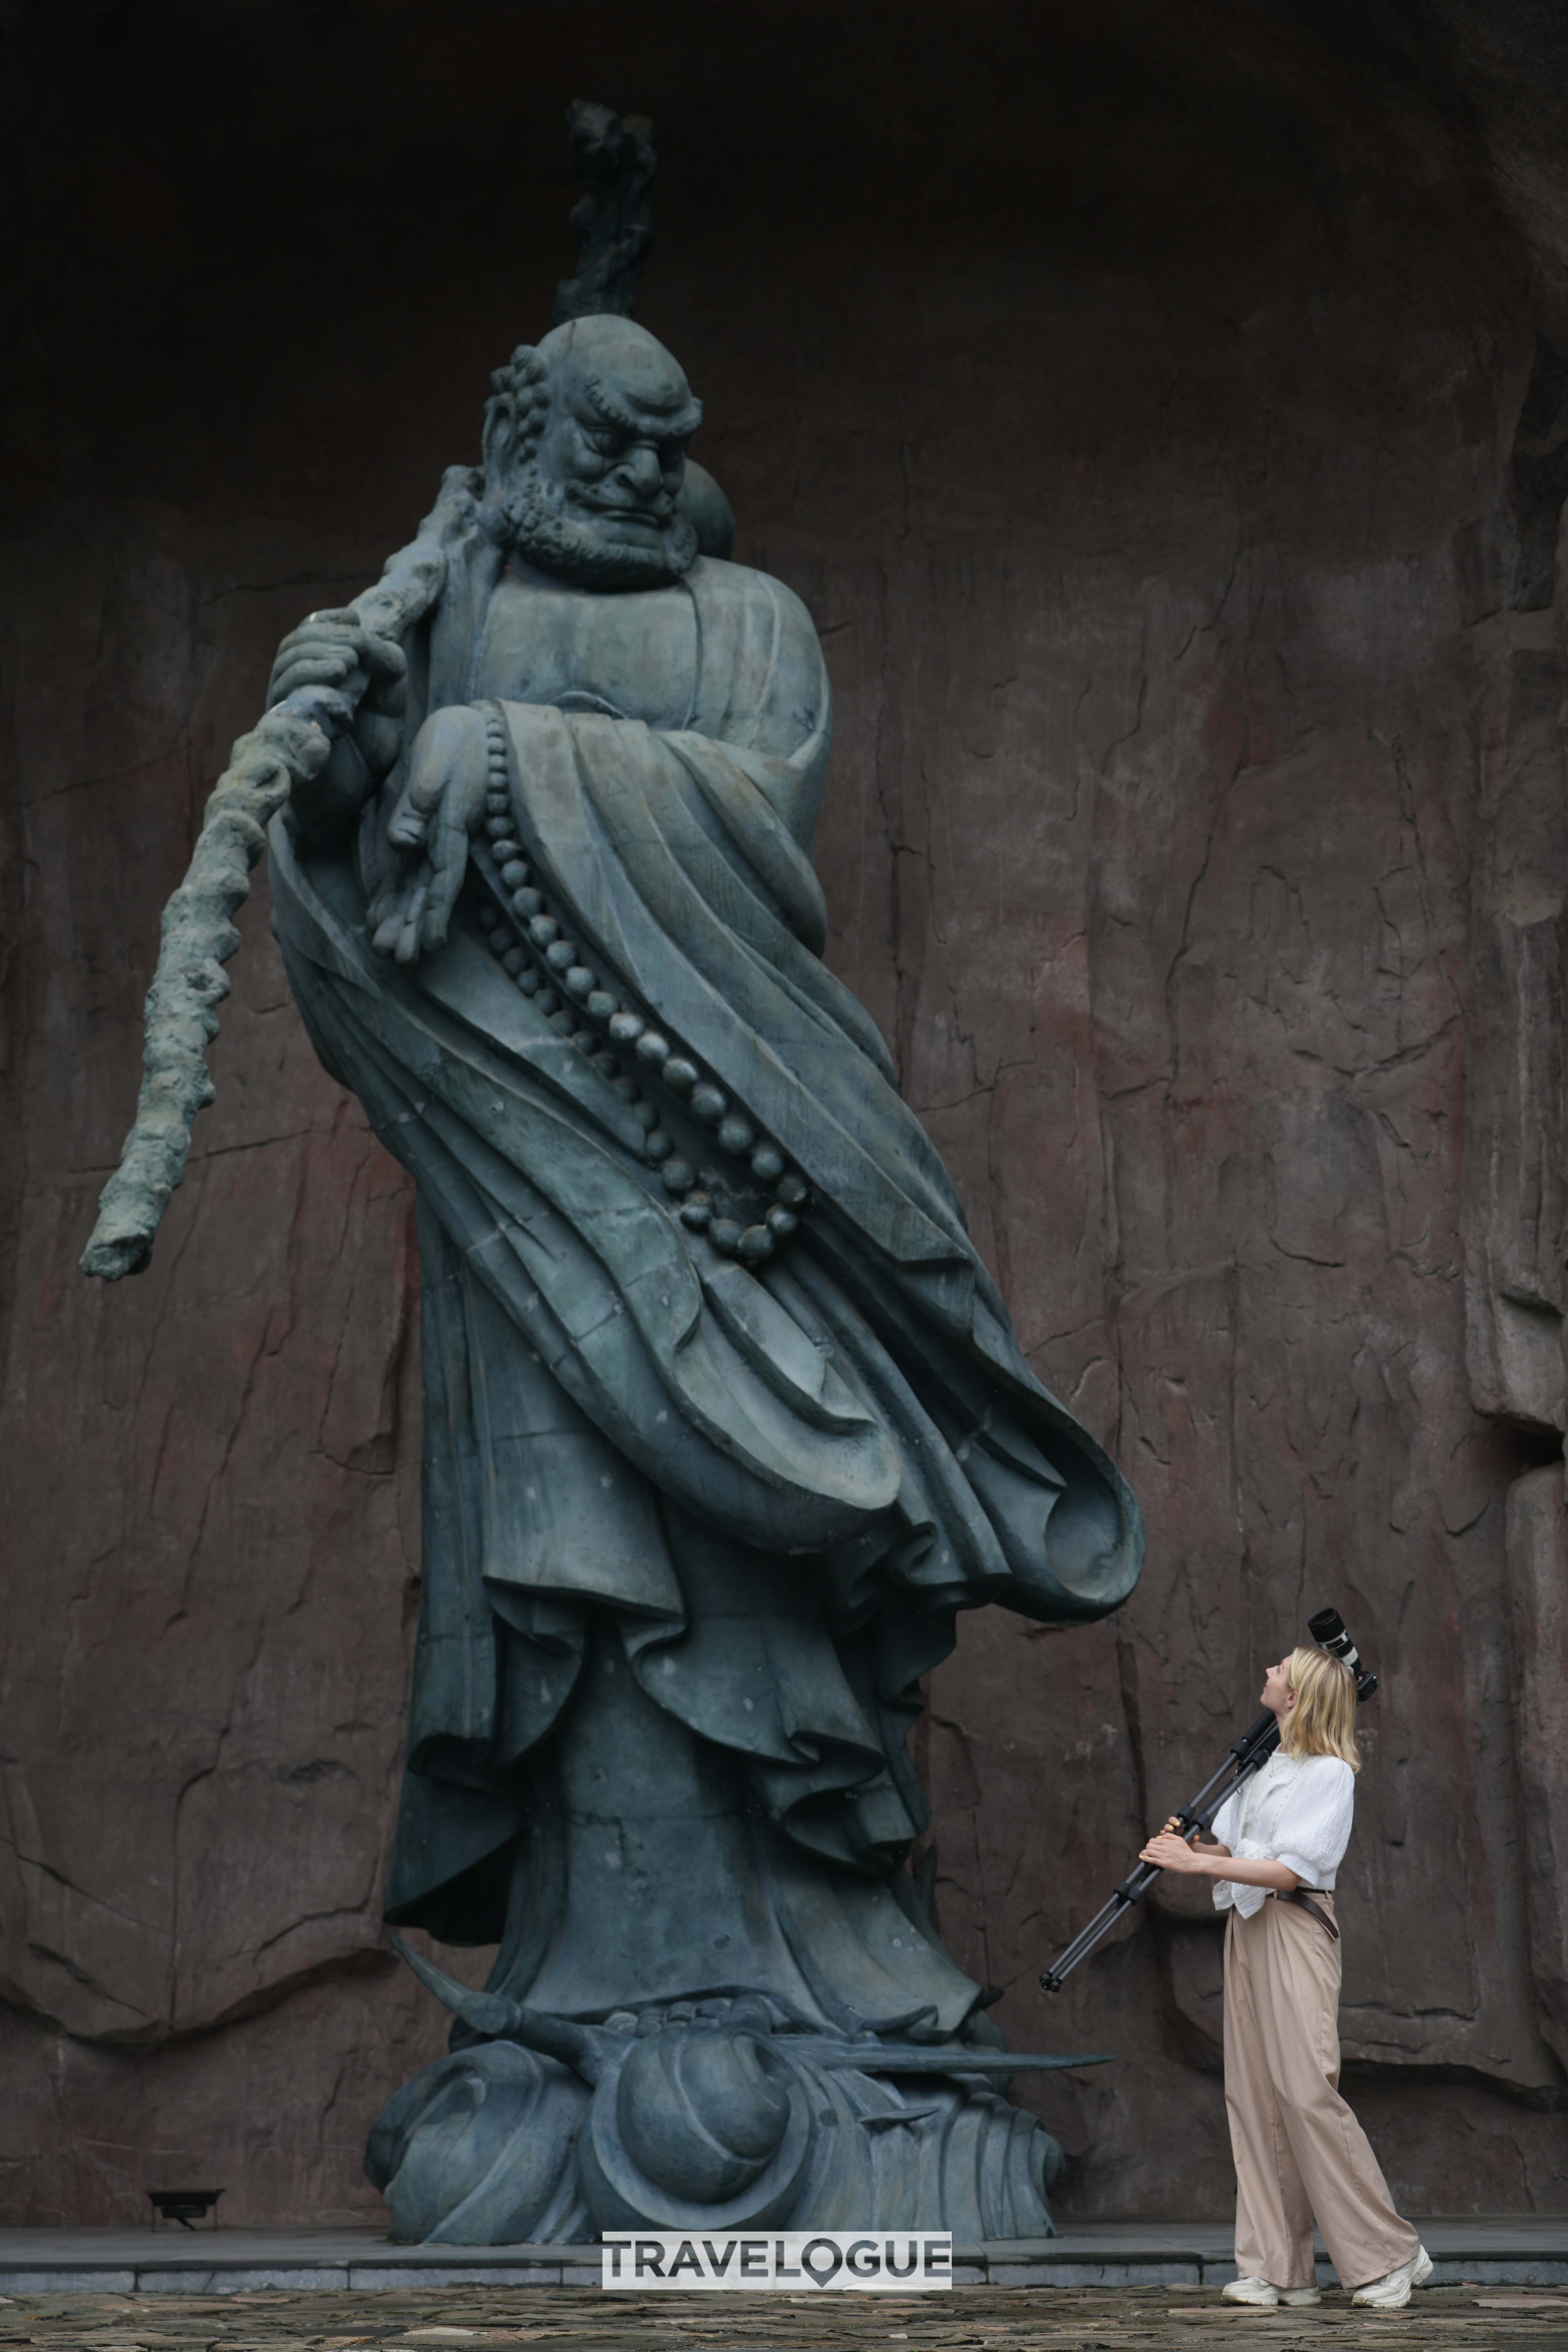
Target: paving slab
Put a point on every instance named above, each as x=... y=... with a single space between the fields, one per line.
x=989 y=2318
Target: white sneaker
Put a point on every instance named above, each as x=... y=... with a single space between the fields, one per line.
x=1260 y=2291
x=1393 y=2293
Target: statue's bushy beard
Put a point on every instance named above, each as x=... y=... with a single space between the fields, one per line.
x=534 y=525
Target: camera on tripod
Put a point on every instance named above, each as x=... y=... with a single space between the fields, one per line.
x=1246 y=1756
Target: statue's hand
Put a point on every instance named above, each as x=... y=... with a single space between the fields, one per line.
x=365 y=676
x=335 y=649
x=438 y=808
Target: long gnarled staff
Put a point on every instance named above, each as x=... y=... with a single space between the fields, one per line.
x=614 y=160
x=290 y=745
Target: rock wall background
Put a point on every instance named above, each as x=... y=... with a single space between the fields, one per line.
x=1165 y=422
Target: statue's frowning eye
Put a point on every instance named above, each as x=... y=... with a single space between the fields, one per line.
x=603 y=440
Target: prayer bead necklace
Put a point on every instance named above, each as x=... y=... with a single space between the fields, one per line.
x=535 y=949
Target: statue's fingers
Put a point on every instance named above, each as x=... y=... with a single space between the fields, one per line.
x=385 y=923
x=386 y=912
x=448 y=864
x=417 y=804
x=448 y=765
x=323 y=636
x=320 y=660
x=386 y=665
x=449 y=757
x=407 y=828
x=382 y=657
x=312 y=666
x=407 y=947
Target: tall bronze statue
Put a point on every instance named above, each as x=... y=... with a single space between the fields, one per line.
x=724 y=1419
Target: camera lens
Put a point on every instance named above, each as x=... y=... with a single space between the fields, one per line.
x=1327 y=1628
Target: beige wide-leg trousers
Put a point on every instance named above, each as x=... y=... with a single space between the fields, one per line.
x=1299 y=2149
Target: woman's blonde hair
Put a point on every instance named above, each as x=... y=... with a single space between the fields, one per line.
x=1322 y=1721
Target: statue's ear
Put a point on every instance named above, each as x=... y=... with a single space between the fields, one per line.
x=708 y=510
x=515 y=411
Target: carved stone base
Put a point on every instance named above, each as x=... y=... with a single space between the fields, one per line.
x=711 y=2123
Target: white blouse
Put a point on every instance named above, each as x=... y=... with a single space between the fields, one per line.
x=1297 y=1811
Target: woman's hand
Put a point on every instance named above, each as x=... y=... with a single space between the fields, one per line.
x=438 y=809
x=1169 y=1850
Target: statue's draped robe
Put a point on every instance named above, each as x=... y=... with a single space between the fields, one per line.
x=773 y=1488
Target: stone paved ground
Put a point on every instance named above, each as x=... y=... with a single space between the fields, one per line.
x=968 y=2319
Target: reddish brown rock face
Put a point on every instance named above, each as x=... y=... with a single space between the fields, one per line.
x=1150 y=438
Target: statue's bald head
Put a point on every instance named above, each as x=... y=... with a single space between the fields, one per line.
x=613 y=358
x=584 y=448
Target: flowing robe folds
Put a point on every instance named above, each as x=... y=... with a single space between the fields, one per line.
x=755 y=1495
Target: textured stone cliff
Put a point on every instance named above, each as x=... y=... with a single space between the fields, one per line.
x=1166 y=428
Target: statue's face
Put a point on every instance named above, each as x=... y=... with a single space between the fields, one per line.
x=595 y=502
x=616 y=466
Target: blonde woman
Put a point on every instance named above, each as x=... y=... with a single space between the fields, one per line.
x=1299 y=2150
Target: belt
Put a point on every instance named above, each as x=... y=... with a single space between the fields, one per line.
x=1300 y=1895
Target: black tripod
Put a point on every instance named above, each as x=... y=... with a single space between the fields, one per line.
x=1246 y=1756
